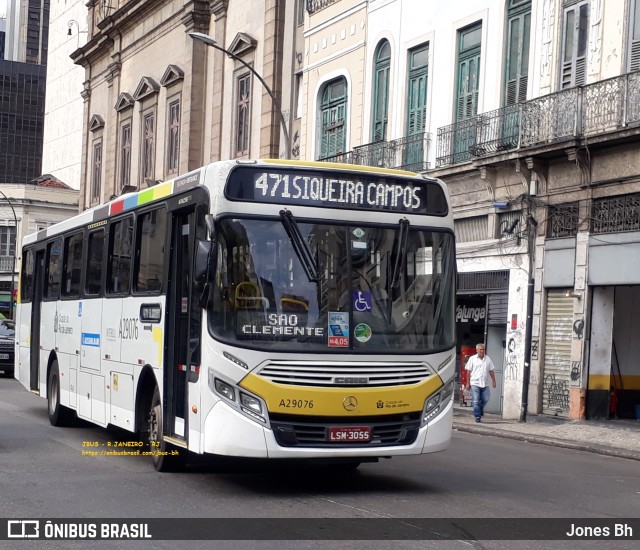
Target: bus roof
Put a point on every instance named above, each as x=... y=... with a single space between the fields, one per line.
x=100 y=214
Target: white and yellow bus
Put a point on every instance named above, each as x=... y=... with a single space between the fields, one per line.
x=260 y=309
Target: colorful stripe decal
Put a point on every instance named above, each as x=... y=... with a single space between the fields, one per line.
x=143 y=197
x=164 y=189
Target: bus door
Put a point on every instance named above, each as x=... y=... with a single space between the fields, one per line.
x=183 y=325
x=36 y=310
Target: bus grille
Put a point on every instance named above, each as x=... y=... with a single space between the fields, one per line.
x=356 y=374
x=292 y=431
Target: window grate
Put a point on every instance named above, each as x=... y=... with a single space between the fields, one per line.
x=616 y=214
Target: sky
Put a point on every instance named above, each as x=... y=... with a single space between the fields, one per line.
x=3 y=7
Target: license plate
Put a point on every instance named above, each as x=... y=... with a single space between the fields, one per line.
x=4 y=356
x=349 y=434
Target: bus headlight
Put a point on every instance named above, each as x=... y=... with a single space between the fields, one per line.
x=251 y=406
x=222 y=388
x=247 y=404
x=437 y=402
x=250 y=402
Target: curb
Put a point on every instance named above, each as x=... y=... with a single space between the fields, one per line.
x=548 y=441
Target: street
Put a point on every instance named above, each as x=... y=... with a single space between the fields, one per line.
x=43 y=473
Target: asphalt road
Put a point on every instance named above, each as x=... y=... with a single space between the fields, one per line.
x=43 y=473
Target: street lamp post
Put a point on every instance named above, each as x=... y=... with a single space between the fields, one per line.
x=15 y=246
x=209 y=41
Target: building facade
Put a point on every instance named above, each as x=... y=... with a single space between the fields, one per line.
x=158 y=102
x=24 y=209
x=526 y=108
x=3 y=34
x=22 y=93
x=27 y=31
x=537 y=144
x=62 y=138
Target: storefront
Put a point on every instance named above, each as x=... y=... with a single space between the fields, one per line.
x=614 y=374
x=481 y=317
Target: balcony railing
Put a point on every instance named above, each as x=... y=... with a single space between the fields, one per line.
x=314 y=6
x=406 y=153
x=616 y=214
x=603 y=106
x=6 y=263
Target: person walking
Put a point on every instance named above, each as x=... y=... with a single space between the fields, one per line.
x=480 y=367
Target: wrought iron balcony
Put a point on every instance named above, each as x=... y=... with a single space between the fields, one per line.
x=406 y=153
x=314 y=6
x=6 y=263
x=585 y=111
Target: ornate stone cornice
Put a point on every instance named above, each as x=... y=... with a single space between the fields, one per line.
x=488 y=177
x=197 y=19
x=172 y=75
x=96 y=123
x=580 y=157
x=146 y=87
x=218 y=7
x=125 y=101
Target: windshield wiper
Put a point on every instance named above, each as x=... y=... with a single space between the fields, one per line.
x=300 y=245
x=401 y=253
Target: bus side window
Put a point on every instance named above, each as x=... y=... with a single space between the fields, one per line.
x=26 y=278
x=54 y=261
x=72 y=266
x=119 y=261
x=150 y=252
x=95 y=256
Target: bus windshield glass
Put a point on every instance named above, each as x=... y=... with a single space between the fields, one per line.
x=290 y=285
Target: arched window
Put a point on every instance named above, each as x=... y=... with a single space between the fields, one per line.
x=333 y=118
x=382 y=63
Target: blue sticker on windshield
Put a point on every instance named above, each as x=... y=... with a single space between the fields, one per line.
x=338 y=329
x=362 y=300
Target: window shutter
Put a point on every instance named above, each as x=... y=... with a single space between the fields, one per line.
x=634 y=64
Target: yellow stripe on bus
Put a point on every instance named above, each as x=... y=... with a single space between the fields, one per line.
x=343 y=401
x=340 y=166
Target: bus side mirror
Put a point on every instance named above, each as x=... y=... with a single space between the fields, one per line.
x=208 y=220
x=204 y=253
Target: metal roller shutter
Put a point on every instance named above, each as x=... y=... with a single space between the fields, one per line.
x=557 y=353
x=498 y=306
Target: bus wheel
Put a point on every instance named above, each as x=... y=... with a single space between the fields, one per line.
x=58 y=415
x=166 y=457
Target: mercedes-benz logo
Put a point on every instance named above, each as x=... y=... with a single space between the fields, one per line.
x=350 y=403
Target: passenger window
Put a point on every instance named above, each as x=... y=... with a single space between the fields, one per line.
x=120 y=248
x=72 y=266
x=95 y=257
x=26 y=277
x=152 y=228
x=54 y=265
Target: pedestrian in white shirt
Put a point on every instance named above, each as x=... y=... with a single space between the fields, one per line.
x=480 y=367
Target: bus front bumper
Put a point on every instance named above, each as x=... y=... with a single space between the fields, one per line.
x=229 y=433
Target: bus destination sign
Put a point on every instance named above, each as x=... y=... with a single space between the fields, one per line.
x=337 y=190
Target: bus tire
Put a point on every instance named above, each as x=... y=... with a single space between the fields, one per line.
x=58 y=414
x=165 y=457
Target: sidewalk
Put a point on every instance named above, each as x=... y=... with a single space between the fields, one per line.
x=619 y=438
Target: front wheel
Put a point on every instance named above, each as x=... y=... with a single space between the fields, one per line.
x=166 y=457
x=58 y=415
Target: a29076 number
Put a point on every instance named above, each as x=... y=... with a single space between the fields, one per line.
x=296 y=403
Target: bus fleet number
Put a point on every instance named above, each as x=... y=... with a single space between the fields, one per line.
x=129 y=329
x=296 y=403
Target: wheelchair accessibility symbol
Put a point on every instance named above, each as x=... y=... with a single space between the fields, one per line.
x=362 y=300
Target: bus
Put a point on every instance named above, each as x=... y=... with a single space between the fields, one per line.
x=251 y=308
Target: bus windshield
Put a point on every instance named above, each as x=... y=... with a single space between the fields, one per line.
x=290 y=285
